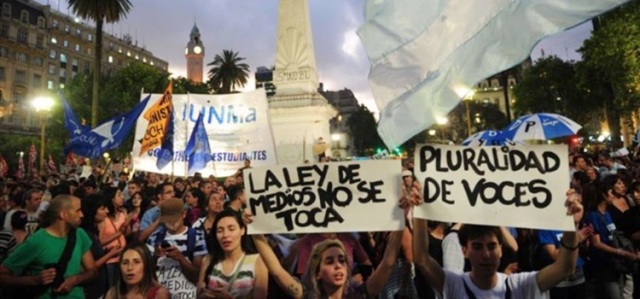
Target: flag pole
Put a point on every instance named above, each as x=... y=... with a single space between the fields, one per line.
x=187 y=114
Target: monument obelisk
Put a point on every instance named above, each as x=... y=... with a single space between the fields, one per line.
x=300 y=115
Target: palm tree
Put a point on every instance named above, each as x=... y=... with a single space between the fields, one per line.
x=228 y=72
x=109 y=11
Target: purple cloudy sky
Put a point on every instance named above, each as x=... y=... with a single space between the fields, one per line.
x=249 y=27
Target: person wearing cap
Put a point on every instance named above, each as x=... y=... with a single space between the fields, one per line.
x=178 y=250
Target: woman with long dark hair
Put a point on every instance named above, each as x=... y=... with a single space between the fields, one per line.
x=136 y=277
x=230 y=270
x=136 y=207
x=197 y=204
x=114 y=228
x=94 y=210
x=205 y=224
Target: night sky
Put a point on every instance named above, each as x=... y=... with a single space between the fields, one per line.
x=249 y=27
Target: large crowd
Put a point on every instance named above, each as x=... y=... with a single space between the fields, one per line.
x=145 y=235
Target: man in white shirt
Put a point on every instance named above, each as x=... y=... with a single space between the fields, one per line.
x=482 y=246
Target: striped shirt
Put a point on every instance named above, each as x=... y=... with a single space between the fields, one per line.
x=7 y=244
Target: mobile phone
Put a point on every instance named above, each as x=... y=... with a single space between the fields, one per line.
x=165 y=245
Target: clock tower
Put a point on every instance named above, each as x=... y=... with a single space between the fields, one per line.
x=194 y=52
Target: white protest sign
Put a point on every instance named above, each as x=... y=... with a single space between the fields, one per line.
x=519 y=186
x=237 y=126
x=325 y=197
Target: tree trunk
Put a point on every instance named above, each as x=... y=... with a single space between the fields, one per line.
x=97 y=71
x=613 y=118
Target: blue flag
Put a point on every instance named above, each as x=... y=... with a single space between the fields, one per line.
x=165 y=155
x=71 y=122
x=109 y=135
x=198 y=151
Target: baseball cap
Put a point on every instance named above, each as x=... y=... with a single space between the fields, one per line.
x=171 y=210
x=406 y=173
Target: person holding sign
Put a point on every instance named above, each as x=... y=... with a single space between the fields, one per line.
x=328 y=271
x=482 y=246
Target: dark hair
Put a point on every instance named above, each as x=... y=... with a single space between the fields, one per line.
x=160 y=188
x=62 y=188
x=234 y=191
x=635 y=187
x=576 y=158
x=149 y=279
x=203 y=202
x=470 y=232
x=144 y=204
x=590 y=196
x=581 y=177
x=90 y=206
x=216 y=252
x=109 y=194
x=27 y=196
x=607 y=184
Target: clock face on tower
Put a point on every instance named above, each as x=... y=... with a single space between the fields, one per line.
x=186 y=51
x=197 y=50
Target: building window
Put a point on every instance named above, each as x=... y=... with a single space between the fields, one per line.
x=110 y=59
x=151 y=63
x=87 y=67
x=37 y=81
x=37 y=61
x=41 y=22
x=3 y=52
x=54 y=40
x=21 y=57
x=79 y=33
x=6 y=10
x=129 y=53
x=74 y=65
x=52 y=54
x=119 y=49
x=18 y=97
x=77 y=47
x=67 y=29
x=21 y=77
x=54 y=24
x=144 y=59
x=2 y=77
x=40 y=41
x=63 y=73
x=65 y=43
x=495 y=83
x=90 y=38
x=24 y=16
x=50 y=84
x=137 y=57
x=4 y=30
x=23 y=36
x=52 y=68
x=63 y=61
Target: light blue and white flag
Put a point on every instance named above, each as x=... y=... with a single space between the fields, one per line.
x=198 y=151
x=426 y=55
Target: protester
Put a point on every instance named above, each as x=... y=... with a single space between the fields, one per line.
x=114 y=228
x=94 y=210
x=482 y=246
x=231 y=270
x=136 y=277
x=196 y=202
x=48 y=268
x=136 y=207
x=178 y=249
x=206 y=223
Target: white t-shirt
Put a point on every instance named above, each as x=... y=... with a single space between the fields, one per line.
x=169 y=271
x=522 y=285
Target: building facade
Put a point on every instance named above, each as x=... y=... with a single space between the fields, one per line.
x=345 y=102
x=41 y=50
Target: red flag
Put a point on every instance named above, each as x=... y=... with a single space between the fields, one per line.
x=52 y=165
x=32 y=160
x=4 y=167
x=20 y=171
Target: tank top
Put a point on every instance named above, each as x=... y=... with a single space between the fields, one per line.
x=242 y=286
x=110 y=228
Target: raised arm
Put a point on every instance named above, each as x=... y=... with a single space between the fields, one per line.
x=378 y=280
x=421 y=258
x=287 y=282
x=567 y=256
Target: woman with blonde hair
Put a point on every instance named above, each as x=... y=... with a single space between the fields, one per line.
x=329 y=270
x=137 y=276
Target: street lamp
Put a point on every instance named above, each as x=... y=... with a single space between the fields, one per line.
x=468 y=98
x=42 y=106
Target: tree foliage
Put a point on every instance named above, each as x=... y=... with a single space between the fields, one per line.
x=551 y=85
x=362 y=125
x=483 y=117
x=610 y=70
x=228 y=72
x=182 y=85
x=109 y=11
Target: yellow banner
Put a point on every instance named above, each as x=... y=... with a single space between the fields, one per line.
x=158 y=116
